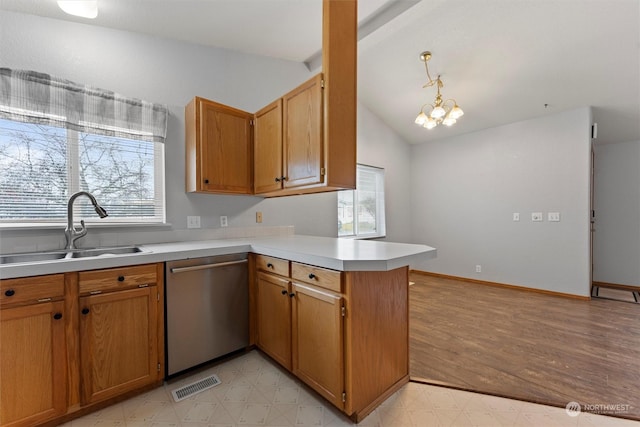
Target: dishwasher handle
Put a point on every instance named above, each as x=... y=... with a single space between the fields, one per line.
x=207 y=266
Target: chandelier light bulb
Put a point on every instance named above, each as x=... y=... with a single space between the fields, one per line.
x=448 y=121
x=438 y=112
x=456 y=112
x=430 y=123
x=82 y=8
x=421 y=119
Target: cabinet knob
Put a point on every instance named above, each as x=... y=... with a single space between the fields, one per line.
x=85 y=311
x=284 y=292
x=284 y=178
x=312 y=276
x=120 y=278
x=269 y=265
x=206 y=181
x=292 y=295
x=57 y=316
x=277 y=179
x=10 y=292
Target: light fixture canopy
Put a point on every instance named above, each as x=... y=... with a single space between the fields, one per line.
x=442 y=112
x=82 y=8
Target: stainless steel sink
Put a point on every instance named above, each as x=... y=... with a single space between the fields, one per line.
x=77 y=253
x=85 y=253
x=32 y=257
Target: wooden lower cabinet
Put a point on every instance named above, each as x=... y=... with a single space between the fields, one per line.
x=349 y=331
x=118 y=343
x=33 y=364
x=318 y=342
x=274 y=317
x=72 y=342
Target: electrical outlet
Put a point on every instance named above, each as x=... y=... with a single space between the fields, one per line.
x=258 y=217
x=193 y=222
x=536 y=216
x=223 y=221
x=516 y=216
x=478 y=268
x=553 y=216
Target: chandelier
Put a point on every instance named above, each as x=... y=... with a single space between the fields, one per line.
x=445 y=112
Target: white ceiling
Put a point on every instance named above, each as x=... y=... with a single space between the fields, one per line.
x=502 y=60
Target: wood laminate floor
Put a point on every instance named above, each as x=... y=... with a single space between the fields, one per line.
x=525 y=345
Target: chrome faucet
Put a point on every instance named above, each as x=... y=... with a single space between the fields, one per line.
x=71 y=233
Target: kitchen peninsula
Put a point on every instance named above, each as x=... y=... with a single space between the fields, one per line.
x=333 y=312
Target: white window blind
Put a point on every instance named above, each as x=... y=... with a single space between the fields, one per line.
x=361 y=211
x=57 y=137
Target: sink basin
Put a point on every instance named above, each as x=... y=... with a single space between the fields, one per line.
x=85 y=253
x=31 y=257
x=78 y=253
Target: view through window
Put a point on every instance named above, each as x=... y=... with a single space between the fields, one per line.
x=361 y=211
x=41 y=166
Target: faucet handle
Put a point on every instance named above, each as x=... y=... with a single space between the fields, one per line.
x=82 y=231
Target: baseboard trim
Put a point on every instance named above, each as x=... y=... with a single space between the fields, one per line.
x=617 y=286
x=502 y=285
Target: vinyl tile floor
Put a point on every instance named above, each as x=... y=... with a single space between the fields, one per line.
x=254 y=391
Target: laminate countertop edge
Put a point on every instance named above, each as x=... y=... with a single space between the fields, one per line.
x=332 y=253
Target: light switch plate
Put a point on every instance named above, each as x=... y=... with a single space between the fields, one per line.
x=223 y=221
x=516 y=216
x=536 y=216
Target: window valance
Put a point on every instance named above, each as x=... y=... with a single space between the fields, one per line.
x=33 y=97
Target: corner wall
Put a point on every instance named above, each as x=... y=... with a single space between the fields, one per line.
x=466 y=189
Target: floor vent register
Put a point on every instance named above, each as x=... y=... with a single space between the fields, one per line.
x=195 y=388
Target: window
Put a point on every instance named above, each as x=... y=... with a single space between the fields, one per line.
x=361 y=211
x=52 y=146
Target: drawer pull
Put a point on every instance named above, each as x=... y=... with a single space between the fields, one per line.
x=292 y=294
x=284 y=292
x=146 y=285
x=44 y=300
x=85 y=311
x=120 y=278
x=269 y=265
x=57 y=316
x=312 y=276
x=95 y=292
x=10 y=292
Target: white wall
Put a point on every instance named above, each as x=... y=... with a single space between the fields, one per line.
x=616 y=241
x=172 y=72
x=466 y=188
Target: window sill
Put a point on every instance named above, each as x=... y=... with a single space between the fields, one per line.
x=94 y=225
x=367 y=237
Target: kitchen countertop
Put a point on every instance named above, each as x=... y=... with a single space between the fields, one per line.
x=327 y=252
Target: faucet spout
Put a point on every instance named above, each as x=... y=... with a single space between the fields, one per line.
x=71 y=233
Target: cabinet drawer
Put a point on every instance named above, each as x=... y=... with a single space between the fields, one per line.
x=116 y=278
x=272 y=265
x=328 y=279
x=31 y=289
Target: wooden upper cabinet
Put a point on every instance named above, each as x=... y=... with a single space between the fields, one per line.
x=218 y=141
x=303 y=141
x=267 y=137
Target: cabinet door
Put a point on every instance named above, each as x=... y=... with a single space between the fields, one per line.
x=303 y=135
x=118 y=342
x=226 y=149
x=33 y=364
x=267 y=141
x=274 y=318
x=318 y=346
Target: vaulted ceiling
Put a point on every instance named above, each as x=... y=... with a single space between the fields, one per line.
x=502 y=60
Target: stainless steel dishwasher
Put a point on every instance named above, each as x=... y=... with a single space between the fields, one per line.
x=207 y=309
